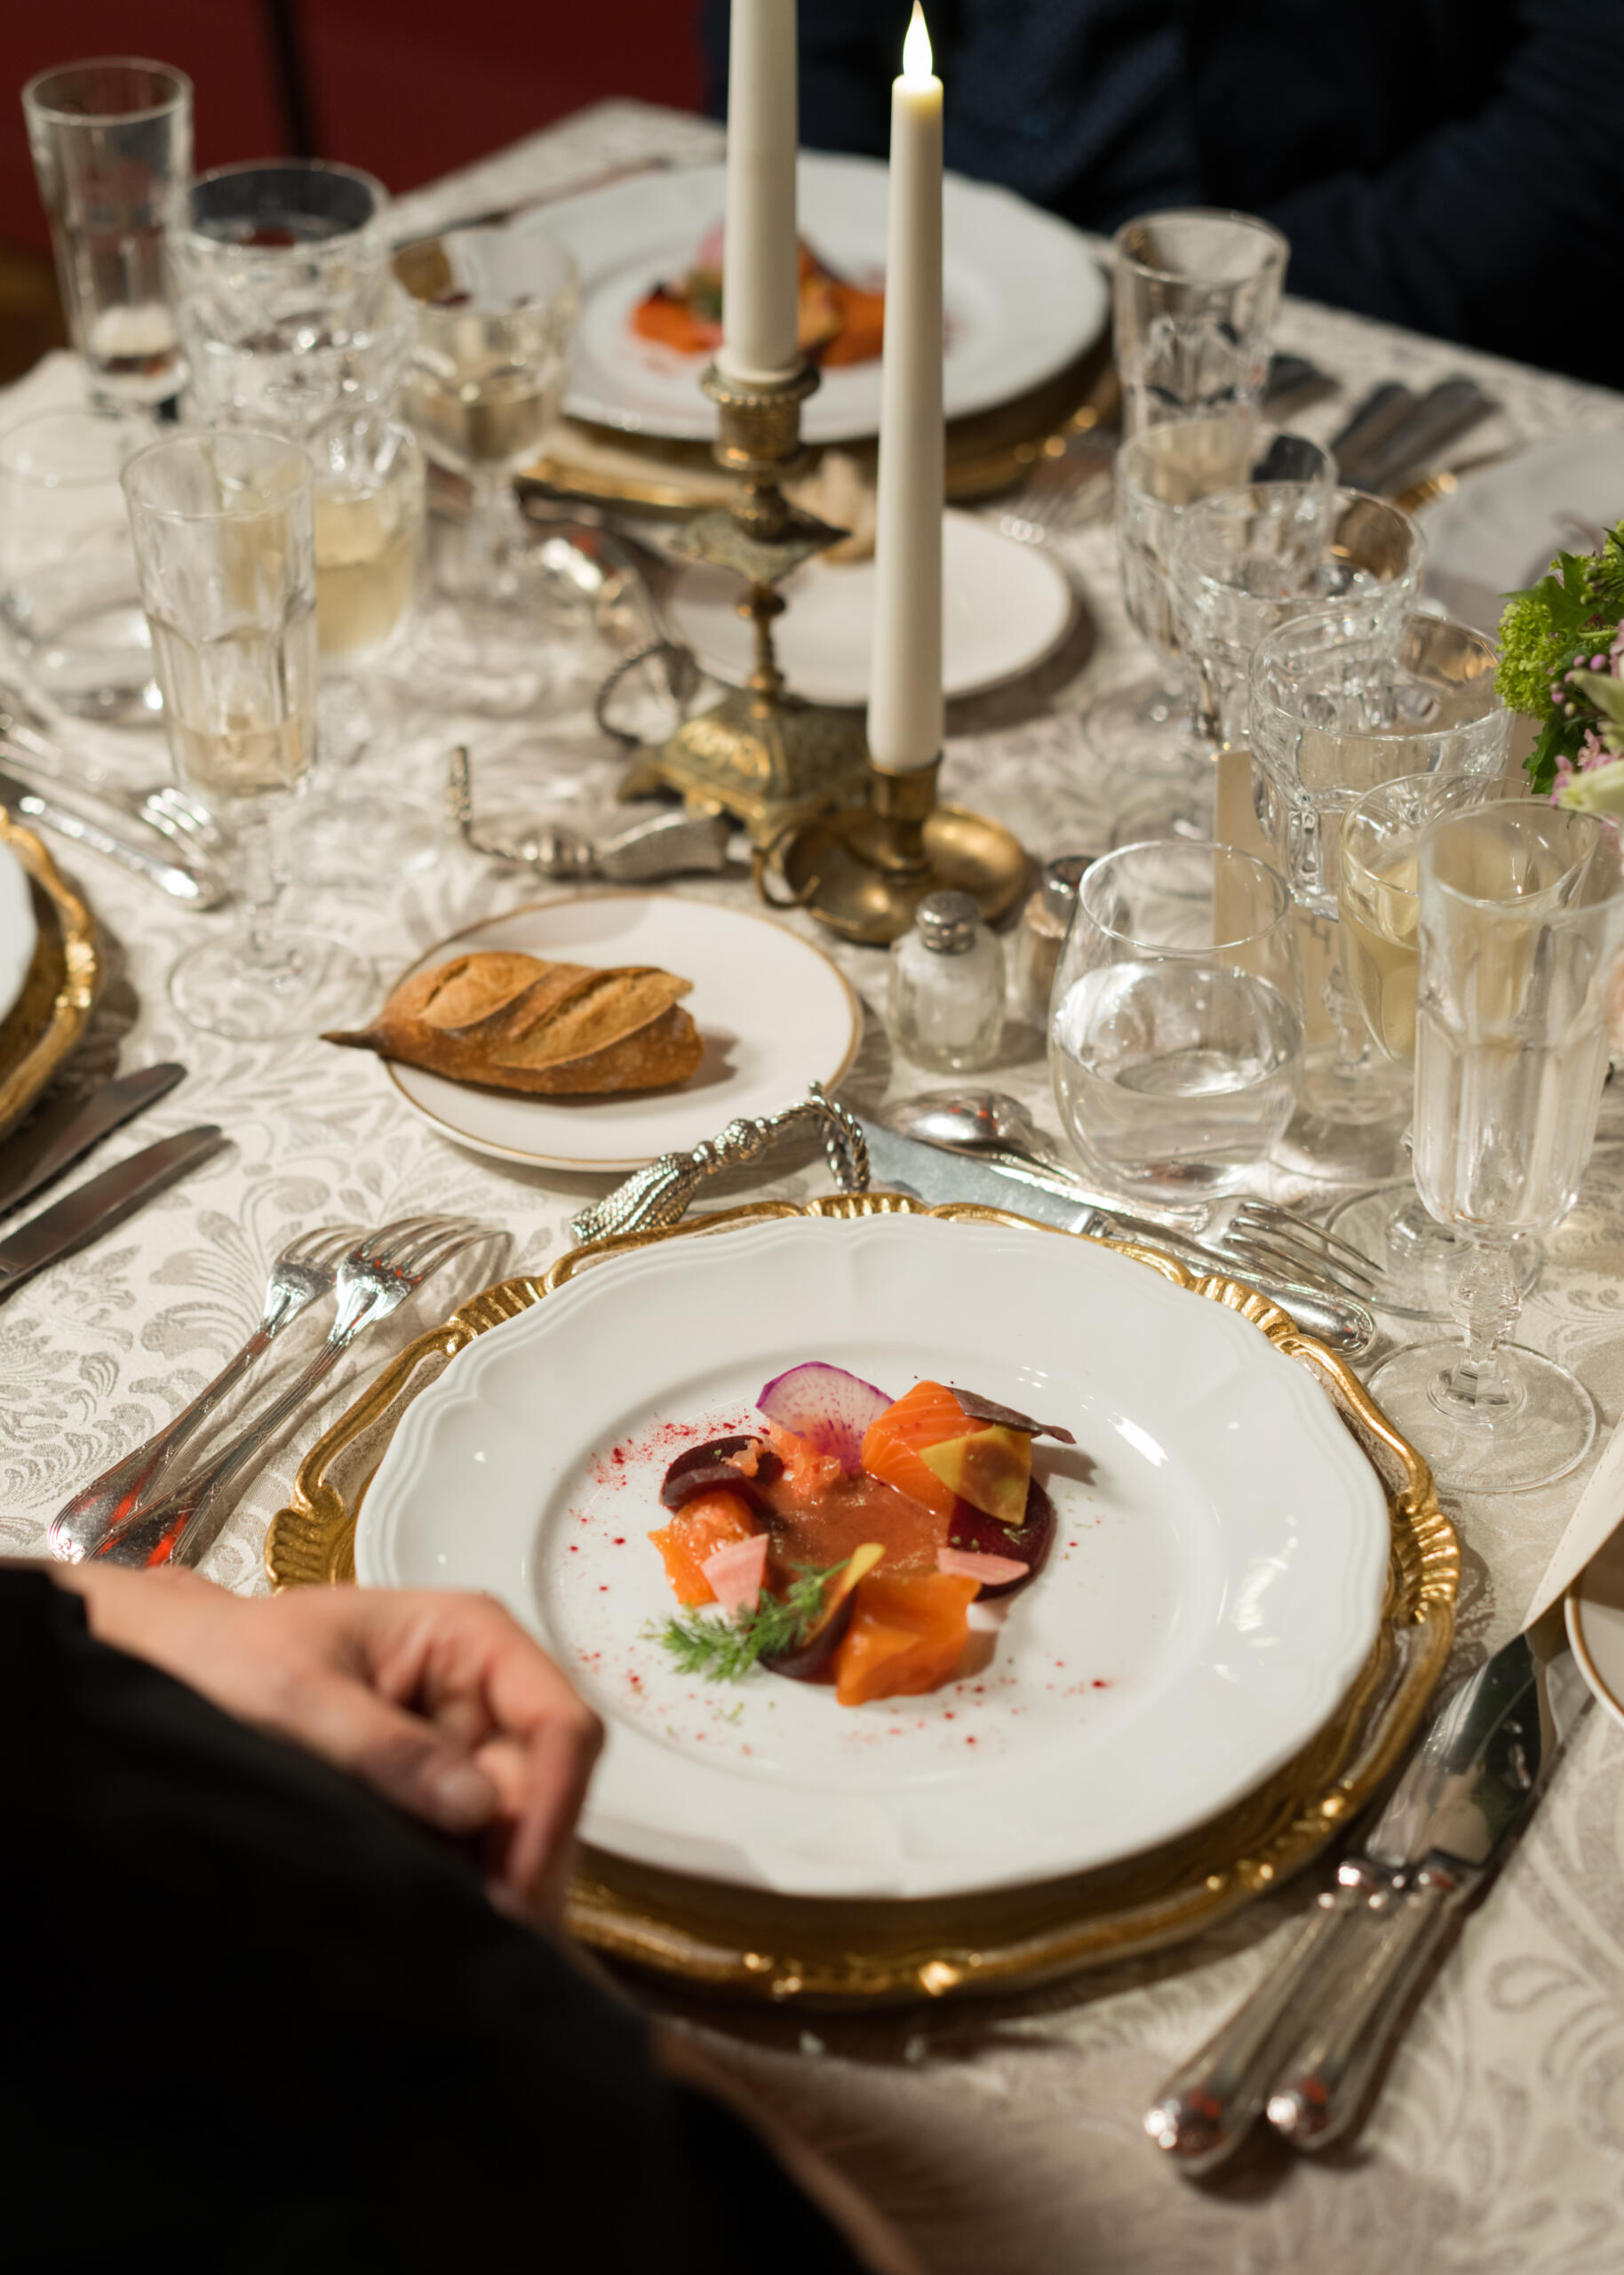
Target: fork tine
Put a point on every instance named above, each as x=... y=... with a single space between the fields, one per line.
x=316 y=1245
x=435 y=1253
x=1303 y=1263
x=1270 y=1216
x=383 y=1246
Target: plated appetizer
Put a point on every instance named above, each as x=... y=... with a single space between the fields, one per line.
x=846 y=1542
x=838 y=323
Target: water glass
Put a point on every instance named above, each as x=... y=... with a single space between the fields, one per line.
x=1196 y=293
x=69 y=595
x=1522 y=928
x=111 y=141
x=224 y=530
x=1175 y=1027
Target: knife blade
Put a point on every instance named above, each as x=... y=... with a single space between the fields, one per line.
x=108 y=1108
x=102 y=1201
x=197 y=888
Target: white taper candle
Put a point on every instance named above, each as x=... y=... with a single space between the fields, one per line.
x=761 y=286
x=904 y=706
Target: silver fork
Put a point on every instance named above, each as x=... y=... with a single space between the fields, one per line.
x=305 y=1271
x=375 y=1276
x=1266 y=1229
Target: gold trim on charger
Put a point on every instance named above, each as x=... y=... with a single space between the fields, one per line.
x=45 y=1025
x=843 y=1952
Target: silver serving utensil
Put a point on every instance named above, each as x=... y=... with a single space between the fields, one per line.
x=108 y=1108
x=1321 y=2022
x=374 y=1278
x=100 y=1202
x=305 y=1271
x=196 y=887
x=665 y=843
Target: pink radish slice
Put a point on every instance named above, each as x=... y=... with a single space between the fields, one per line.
x=826 y=1406
x=736 y=1571
x=1030 y=1541
x=990 y=1570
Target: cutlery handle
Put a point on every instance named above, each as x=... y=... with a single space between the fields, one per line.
x=1322 y=2090
x=185 y=885
x=1206 y=2109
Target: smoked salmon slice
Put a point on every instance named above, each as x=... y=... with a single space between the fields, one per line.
x=708 y=1522
x=927 y=1416
x=907 y=1634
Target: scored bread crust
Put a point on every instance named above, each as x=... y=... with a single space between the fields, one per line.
x=518 y=1023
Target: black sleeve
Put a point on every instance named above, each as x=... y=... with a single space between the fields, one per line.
x=254 y=2020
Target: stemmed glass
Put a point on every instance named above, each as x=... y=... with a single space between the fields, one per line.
x=1194 y=295
x=1331 y=715
x=496 y=314
x=1522 y=924
x=223 y=524
x=1175 y=1025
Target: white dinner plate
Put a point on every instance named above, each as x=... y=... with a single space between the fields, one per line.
x=1024 y=293
x=1499 y=531
x=1004 y=607
x=18 y=932
x=1595 y=1624
x=773 y=1010
x=1211 y=1597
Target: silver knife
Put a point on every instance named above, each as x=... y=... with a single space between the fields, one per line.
x=197 y=888
x=100 y=1202
x=106 y=1108
x=1307 y=2045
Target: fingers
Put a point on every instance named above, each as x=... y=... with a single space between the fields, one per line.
x=399 y=1754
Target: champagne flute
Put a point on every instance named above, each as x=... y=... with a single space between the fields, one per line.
x=224 y=531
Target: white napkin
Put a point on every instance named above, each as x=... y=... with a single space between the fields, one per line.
x=1601 y=1507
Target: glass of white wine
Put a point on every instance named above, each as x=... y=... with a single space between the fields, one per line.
x=225 y=544
x=1521 y=927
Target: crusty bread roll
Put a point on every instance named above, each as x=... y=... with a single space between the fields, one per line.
x=560 y=1030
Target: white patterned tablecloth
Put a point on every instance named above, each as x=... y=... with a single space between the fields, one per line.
x=1004 y=2137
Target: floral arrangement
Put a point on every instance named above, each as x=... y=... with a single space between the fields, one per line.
x=1561 y=662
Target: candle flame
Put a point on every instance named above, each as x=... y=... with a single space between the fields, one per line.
x=916 y=47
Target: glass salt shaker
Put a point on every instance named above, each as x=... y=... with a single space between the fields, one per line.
x=945 y=1005
x=1045 y=921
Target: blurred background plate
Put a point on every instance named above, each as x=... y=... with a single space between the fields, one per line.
x=1595 y=1624
x=1501 y=528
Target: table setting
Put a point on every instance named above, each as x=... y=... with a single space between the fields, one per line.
x=605 y=892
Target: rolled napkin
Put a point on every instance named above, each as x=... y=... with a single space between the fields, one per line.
x=1601 y=1507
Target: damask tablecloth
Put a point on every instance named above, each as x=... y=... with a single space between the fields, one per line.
x=1003 y=2137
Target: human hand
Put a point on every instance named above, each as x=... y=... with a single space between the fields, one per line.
x=441 y=1702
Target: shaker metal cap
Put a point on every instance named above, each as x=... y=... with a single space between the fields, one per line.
x=1060 y=879
x=947 y=922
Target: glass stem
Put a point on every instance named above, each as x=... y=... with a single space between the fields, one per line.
x=1352 y=1050
x=1483 y=1385
x=257 y=881
x=490 y=530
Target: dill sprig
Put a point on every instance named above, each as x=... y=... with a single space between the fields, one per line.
x=726 y=1648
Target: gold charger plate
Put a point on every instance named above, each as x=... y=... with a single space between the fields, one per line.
x=747 y=1942
x=46 y=1023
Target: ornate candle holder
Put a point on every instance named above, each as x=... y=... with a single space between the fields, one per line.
x=762 y=752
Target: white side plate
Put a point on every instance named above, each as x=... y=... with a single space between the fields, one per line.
x=1500 y=530
x=1595 y=1624
x=18 y=932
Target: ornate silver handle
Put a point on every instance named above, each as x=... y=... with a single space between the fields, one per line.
x=668 y=843
x=651 y=1199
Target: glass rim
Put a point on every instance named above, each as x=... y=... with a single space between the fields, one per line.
x=1278 y=243
x=1511 y=910
x=1357 y=813
x=1334 y=610
x=469 y=305
x=33 y=100
x=169 y=445
x=311 y=169
x=1187 y=845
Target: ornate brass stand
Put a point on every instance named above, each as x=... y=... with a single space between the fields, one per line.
x=762 y=752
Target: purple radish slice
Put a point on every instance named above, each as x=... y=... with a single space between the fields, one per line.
x=820 y=1643
x=1005 y=1418
x=702 y=1469
x=1030 y=1541
x=826 y=1406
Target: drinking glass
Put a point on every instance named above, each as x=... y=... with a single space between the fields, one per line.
x=1150 y=727
x=1331 y=715
x=69 y=595
x=224 y=533
x=1175 y=1027
x=111 y=141
x=495 y=313
x=1196 y=292
x=1522 y=924
x=289 y=309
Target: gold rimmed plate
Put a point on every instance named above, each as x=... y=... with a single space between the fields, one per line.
x=785 y=1943
x=48 y=1016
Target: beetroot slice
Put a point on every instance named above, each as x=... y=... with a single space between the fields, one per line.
x=826 y=1406
x=702 y=1469
x=816 y=1649
x=1005 y=1418
x=1031 y=1540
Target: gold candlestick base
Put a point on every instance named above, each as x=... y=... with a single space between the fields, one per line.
x=863 y=872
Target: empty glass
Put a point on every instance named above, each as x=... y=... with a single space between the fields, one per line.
x=1175 y=1027
x=224 y=534
x=1196 y=294
x=111 y=141
x=1522 y=924
x=1331 y=715
x=69 y=593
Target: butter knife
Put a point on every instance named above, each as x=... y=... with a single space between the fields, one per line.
x=197 y=889
x=106 y=1108
x=100 y=1202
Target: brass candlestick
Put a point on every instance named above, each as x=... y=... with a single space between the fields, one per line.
x=762 y=753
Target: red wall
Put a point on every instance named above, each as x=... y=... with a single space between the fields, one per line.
x=407 y=88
